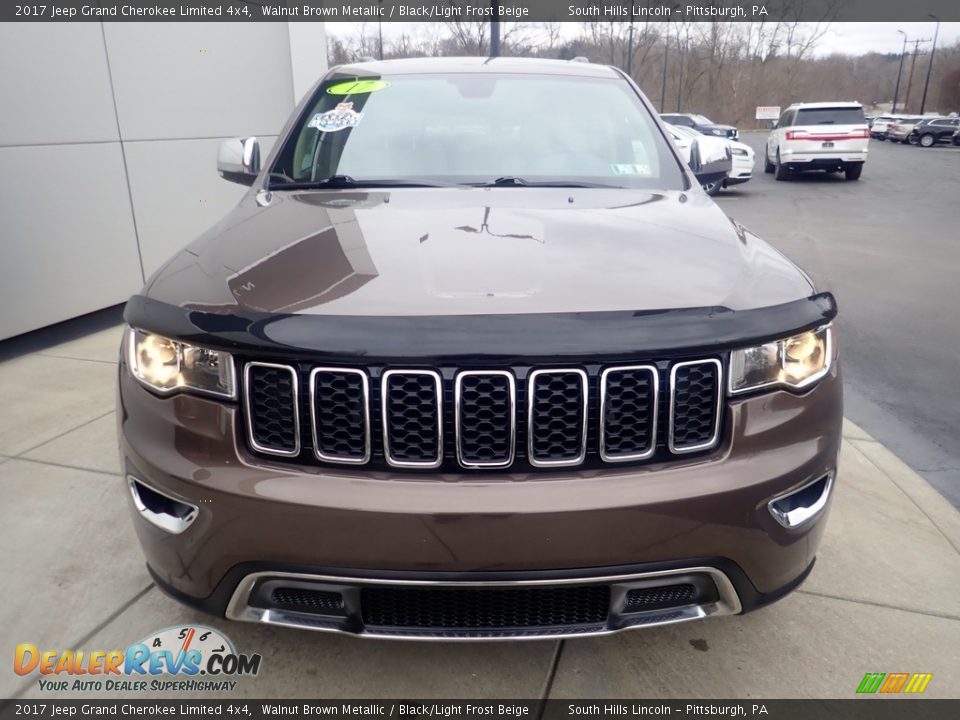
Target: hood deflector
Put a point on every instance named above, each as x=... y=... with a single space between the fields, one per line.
x=480 y=339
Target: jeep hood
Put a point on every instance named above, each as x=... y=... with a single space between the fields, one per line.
x=476 y=251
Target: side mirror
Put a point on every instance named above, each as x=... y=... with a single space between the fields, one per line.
x=709 y=169
x=773 y=125
x=238 y=160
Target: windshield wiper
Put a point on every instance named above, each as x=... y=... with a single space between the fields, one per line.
x=338 y=182
x=514 y=181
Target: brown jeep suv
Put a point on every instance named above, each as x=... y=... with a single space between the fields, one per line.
x=475 y=357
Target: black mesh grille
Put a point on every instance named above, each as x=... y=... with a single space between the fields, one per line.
x=556 y=416
x=485 y=419
x=475 y=608
x=629 y=412
x=346 y=424
x=412 y=417
x=273 y=410
x=695 y=404
x=654 y=598
x=340 y=406
x=305 y=600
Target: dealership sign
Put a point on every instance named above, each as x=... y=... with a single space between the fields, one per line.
x=768 y=112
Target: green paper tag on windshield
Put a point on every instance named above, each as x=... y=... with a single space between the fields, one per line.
x=357 y=87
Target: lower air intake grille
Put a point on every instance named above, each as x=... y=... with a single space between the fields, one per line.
x=480 y=607
x=659 y=597
x=304 y=600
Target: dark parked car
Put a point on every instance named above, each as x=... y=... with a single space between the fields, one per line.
x=466 y=362
x=701 y=124
x=928 y=133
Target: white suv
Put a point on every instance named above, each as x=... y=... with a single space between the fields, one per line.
x=831 y=136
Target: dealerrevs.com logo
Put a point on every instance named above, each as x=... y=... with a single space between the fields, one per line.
x=185 y=658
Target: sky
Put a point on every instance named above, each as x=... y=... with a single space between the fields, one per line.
x=849 y=38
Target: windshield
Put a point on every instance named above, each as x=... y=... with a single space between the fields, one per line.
x=476 y=129
x=702 y=120
x=831 y=116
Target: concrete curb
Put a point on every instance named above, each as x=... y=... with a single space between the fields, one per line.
x=930 y=502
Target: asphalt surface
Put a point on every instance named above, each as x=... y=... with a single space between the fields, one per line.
x=888 y=246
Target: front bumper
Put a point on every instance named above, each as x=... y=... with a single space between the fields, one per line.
x=690 y=516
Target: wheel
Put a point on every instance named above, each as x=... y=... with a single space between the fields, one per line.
x=894 y=141
x=927 y=140
x=767 y=165
x=853 y=171
x=713 y=189
x=780 y=171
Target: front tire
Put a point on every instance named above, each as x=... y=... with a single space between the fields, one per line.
x=713 y=189
x=781 y=172
x=927 y=140
x=767 y=165
x=854 y=171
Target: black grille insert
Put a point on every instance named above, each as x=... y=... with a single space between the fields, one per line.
x=520 y=415
x=485 y=418
x=305 y=600
x=628 y=412
x=412 y=418
x=272 y=408
x=695 y=405
x=483 y=607
x=341 y=421
x=557 y=401
x=656 y=598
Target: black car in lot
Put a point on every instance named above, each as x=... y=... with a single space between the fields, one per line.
x=928 y=133
x=701 y=124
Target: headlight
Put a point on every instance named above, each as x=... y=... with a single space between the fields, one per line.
x=739 y=151
x=794 y=362
x=721 y=133
x=167 y=365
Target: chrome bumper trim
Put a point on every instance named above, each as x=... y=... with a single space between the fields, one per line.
x=727 y=603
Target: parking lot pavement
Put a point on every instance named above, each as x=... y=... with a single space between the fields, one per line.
x=882 y=597
x=887 y=245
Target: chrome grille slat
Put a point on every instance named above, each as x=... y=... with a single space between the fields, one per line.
x=629 y=406
x=501 y=445
x=688 y=395
x=340 y=415
x=556 y=436
x=264 y=411
x=397 y=449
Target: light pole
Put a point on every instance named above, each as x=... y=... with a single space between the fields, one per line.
x=896 y=92
x=923 y=102
x=494 y=29
x=630 y=44
x=663 y=84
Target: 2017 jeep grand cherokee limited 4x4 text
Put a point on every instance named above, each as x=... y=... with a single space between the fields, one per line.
x=476 y=357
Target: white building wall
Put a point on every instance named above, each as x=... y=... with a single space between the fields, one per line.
x=108 y=138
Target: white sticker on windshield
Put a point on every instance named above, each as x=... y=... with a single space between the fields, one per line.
x=341 y=117
x=630 y=169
